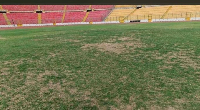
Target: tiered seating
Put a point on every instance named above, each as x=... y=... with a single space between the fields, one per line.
x=19 y=7
x=77 y=7
x=52 y=17
x=116 y=13
x=2 y=20
x=102 y=6
x=179 y=11
x=125 y=6
x=197 y=7
x=24 y=18
x=143 y=13
x=52 y=7
x=74 y=16
x=96 y=16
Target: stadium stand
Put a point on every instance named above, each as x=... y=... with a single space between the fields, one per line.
x=156 y=12
x=97 y=16
x=20 y=7
x=125 y=6
x=52 y=7
x=2 y=20
x=102 y=6
x=116 y=13
x=77 y=7
x=52 y=17
x=74 y=16
x=179 y=11
x=26 y=14
x=24 y=18
x=143 y=13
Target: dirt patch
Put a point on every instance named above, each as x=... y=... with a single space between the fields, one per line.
x=40 y=77
x=166 y=67
x=117 y=48
x=125 y=39
x=154 y=107
x=123 y=106
x=36 y=39
x=15 y=63
x=170 y=108
x=181 y=101
x=1 y=38
x=53 y=54
x=184 y=57
x=57 y=91
x=111 y=40
x=111 y=47
x=30 y=79
x=72 y=90
x=4 y=71
x=17 y=99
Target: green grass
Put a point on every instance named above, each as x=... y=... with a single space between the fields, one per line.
x=90 y=67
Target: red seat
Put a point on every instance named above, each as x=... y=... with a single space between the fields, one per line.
x=24 y=18
x=52 y=17
x=74 y=16
x=20 y=7
x=102 y=6
x=77 y=7
x=97 y=16
x=52 y=7
x=2 y=20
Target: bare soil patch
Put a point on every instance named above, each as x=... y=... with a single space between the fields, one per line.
x=125 y=39
x=4 y=71
x=117 y=48
x=1 y=38
x=40 y=77
x=182 y=56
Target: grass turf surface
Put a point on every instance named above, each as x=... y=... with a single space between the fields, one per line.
x=119 y=66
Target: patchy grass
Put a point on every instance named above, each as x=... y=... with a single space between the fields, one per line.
x=121 y=66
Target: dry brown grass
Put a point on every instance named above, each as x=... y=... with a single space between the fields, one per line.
x=1 y=38
x=72 y=40
x=4 y=71
x=183 y=56
x=41 y=78
x=125 y=39
x=118 y=48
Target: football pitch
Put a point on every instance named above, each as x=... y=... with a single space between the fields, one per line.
x=153 y=66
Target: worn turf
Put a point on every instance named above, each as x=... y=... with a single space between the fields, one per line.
x=150 y=66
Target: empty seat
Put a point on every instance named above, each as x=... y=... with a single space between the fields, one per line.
x=52 y=17
x=97 y=16
x=102 y=6
x=24 y=18
x=74 y=16
x=77 y=7
x=2 y=20
x=52 y=7
x=19 y=7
